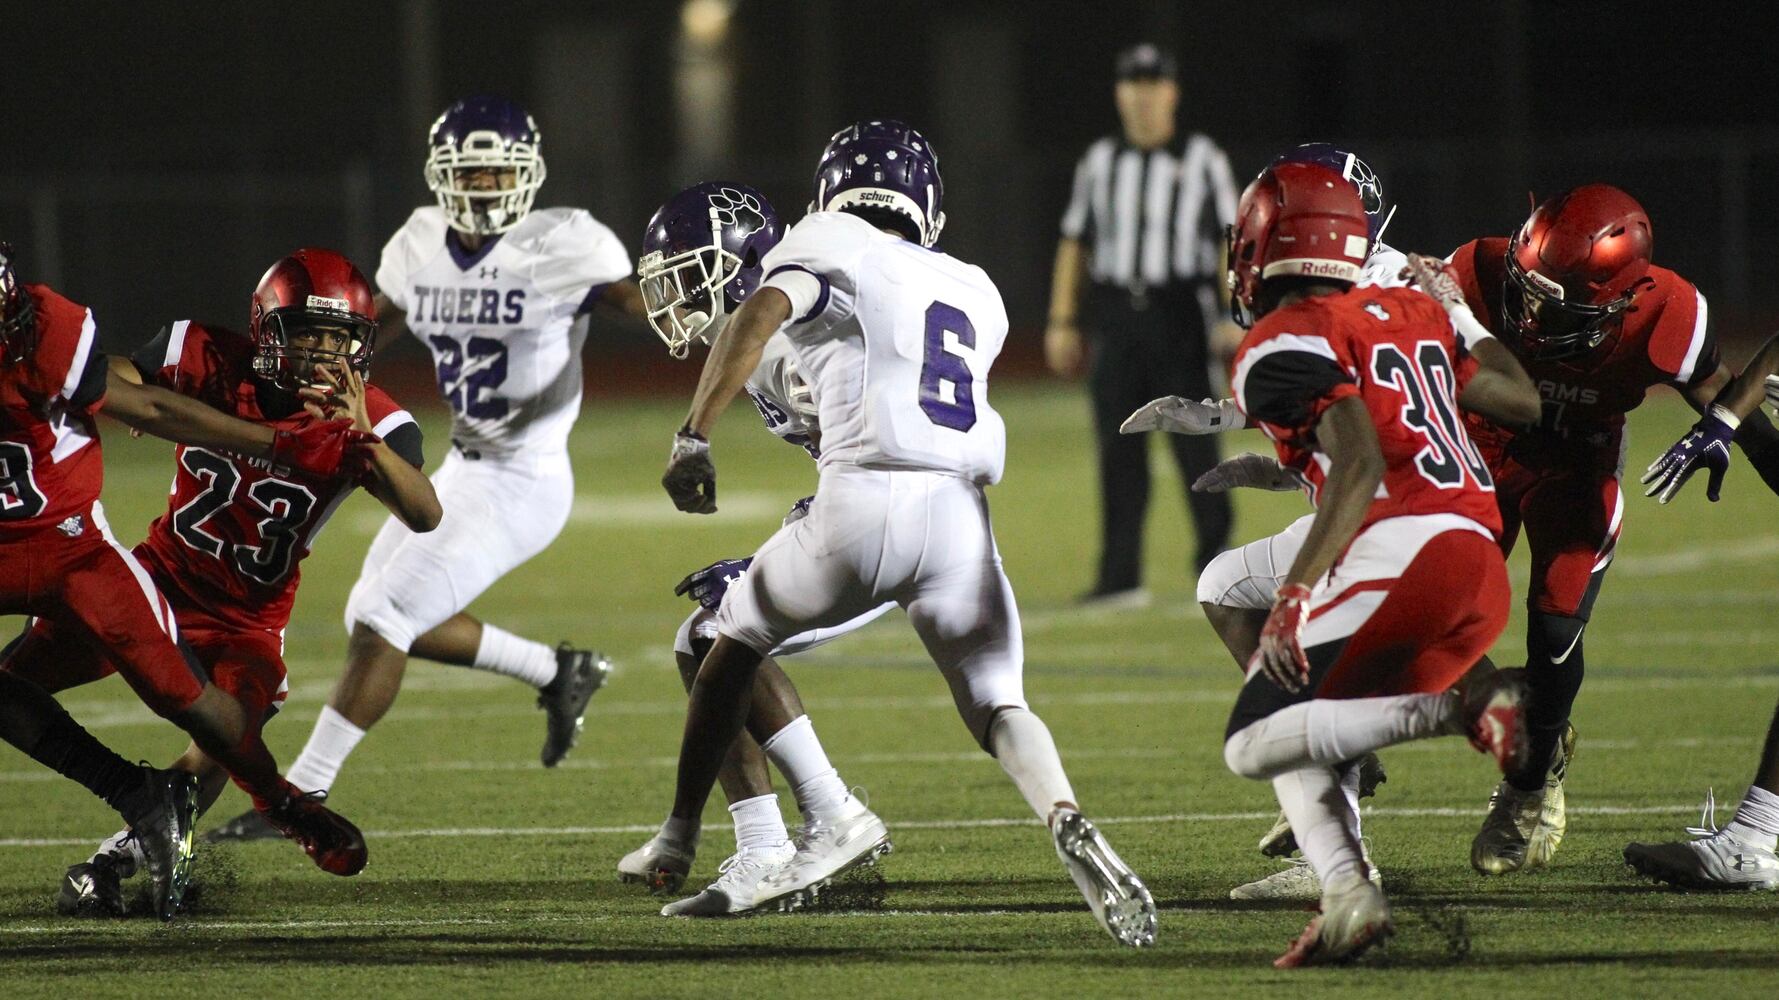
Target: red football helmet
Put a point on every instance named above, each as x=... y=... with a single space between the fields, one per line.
x=18 y=314
x=1573 y=269
x=308 y=290
x=1296 y=220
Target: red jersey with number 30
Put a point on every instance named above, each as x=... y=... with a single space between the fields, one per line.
x=236 y=529
x=1394 y=350
x=1664 y=339
x=50 y=469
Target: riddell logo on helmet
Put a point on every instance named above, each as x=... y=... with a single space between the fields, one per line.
x=323 y=302
x=1324 y=269
x=1545 y=285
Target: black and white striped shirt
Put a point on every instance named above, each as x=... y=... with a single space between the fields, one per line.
x=1152 y=218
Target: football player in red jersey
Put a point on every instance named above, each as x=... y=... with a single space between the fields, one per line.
x=226 y=554
x=1400 y=586
x=60 y=563
x=1574 y=295
x=1740 y=855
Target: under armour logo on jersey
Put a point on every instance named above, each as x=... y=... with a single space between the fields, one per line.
x=490 y=273
x=735 y=208
x=72 y=526
x=1378 y=311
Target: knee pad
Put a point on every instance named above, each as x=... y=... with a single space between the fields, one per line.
x=1238 y=754
x=377 y=611
x=1227 y=582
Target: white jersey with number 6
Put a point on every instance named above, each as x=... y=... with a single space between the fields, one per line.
x=896 y=342
x=501 y=321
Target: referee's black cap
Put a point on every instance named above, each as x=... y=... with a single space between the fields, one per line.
x=1146 y=61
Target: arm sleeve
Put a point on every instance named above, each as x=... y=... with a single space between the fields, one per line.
x=815 y=266
x=407 y=441
x=1075 y=218
x=397 y=264
x=579 y=256
x=1289 y=380
x=1683 y=347
x=396 y=427
x=89 y=389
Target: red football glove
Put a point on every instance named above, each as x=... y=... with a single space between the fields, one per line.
x=325 y=448
x=1281 y=653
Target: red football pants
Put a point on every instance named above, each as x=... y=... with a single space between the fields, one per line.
x=96 y=590
x=1440 y=616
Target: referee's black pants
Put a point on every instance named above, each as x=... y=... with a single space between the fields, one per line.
x=1141 y=353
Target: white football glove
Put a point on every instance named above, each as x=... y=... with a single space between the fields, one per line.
x=1436 y=278
x=1179 y=415
x=1261 y=472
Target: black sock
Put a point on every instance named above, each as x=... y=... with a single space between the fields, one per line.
x=1554 y=668
x=37 y=724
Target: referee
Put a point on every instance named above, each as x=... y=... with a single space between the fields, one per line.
x=1145 y=226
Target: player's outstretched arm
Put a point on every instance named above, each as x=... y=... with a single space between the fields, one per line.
x=691 y=477
x=1356 y=467
x=1729 y=409
x=318 y=448
x=1500 y=391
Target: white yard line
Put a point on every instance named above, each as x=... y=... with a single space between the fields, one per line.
x=919 y=824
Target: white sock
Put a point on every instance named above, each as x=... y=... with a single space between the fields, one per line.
x=1325 y=825
x=1022 y=743
x=1757 y=819
x=1349 y=786
x=684 y=831
x=125 y=850
x=758 y=823
x=502 y=652
x=1326 y=732
x=329 y=745
x=799 y=756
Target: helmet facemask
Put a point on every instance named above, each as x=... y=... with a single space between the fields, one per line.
x=290 y=365
x=1549 y=325
x=18 y=313
x=684 y=293
x=453 y=171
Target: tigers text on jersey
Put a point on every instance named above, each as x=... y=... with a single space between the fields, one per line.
x=1393 y=348
x=782 y=397
x=501 y=321
x=1663 y=339
x=236 y=529
x=896 y=342
x=50 y=467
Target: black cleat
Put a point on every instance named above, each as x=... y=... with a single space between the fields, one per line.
x=92 y=889
x=164 y=829
x=250 y=825
x=580 y=673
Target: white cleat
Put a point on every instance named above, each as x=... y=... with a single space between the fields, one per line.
x=1351 y=920
x=825 y=848
x=1119 y=900
x=1296 y=882
x=737 y=888
x=661 y=864
x=1717 y=860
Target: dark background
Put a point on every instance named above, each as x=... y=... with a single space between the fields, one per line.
x=157 y=158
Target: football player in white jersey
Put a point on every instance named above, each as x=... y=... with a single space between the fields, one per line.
x=895 y=340
x=702 y=256
x=496 y=292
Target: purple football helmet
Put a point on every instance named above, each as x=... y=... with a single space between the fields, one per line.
x=484 y=164
x=883 y=167
x=1378 y=212
x=701 y=259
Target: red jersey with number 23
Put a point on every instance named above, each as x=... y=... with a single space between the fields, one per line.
x=236 y=529
x=1394 y=350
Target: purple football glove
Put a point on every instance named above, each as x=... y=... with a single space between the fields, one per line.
x=1707 y=444
x=708 y=585
x=799 y=510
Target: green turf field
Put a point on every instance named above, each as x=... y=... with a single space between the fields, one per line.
x=491 y=875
